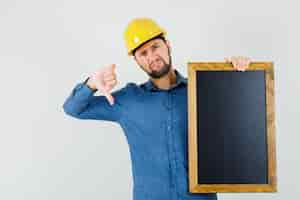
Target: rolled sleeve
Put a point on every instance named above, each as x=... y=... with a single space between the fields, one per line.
x=82 y=104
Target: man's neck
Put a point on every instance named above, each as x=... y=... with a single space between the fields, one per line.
x=167 y=81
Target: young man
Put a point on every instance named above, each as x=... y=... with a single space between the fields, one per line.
x=153 y=115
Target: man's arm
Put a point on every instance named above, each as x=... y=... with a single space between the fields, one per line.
x=82 y=103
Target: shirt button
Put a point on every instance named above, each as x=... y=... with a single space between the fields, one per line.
x=169 y=127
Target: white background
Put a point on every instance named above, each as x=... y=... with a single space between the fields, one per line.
x=46 y=47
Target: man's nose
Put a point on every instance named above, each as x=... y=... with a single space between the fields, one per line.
x=151 y=58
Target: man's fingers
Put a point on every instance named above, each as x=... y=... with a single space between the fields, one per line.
x=109 y=73
x=105 y=79
x=111 y=67
x=109 y=77
x=239 y=63
x=111 y=82
x=227 y=59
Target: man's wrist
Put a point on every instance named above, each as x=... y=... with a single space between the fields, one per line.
x=88 y=83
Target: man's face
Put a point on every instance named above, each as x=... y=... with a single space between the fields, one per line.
x=154 y=57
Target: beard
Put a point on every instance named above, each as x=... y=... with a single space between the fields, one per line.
x=156 y=74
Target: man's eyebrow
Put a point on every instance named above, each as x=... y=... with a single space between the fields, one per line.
x=143 y=51
x=154 y=43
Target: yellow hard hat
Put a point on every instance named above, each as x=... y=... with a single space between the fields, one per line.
x=139 y=31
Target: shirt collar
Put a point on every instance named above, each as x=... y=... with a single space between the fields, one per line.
x=149 y=85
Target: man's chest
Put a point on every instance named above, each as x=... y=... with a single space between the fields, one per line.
x=158 y=115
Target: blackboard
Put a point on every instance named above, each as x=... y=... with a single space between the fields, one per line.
x=231 y=128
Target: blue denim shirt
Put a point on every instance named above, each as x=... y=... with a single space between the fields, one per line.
x=155 y=123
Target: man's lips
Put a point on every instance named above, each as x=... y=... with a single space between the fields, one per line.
x=155 y=65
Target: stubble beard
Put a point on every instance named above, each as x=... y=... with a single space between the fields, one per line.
x=163 y=71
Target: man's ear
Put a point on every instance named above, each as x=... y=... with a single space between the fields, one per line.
x=168 y=45
x=134 y=57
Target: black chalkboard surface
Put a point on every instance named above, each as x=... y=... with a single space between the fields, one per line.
x=231 y=128
x=236 y=127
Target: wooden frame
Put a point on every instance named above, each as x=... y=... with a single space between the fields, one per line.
x=194 y=187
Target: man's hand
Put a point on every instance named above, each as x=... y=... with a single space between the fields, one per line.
x=239 y=63
x=104 y=80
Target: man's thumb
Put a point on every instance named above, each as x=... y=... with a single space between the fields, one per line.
x=109 y=97
x=112 y=66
